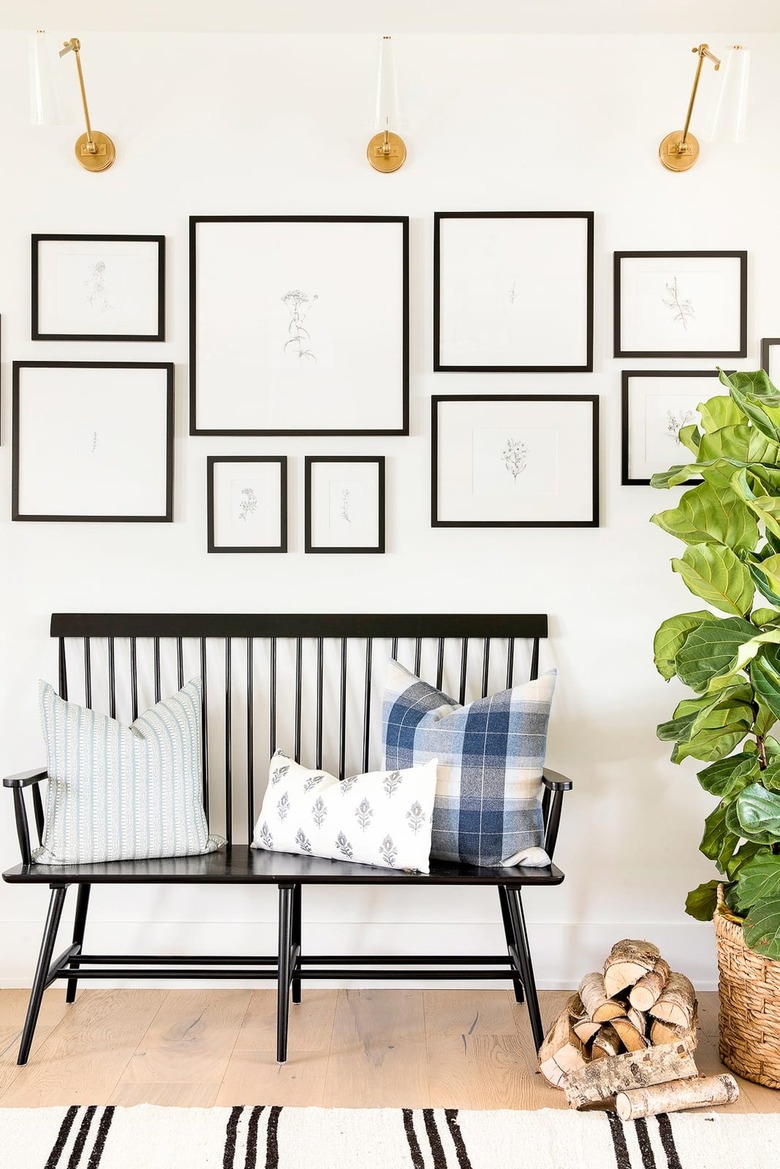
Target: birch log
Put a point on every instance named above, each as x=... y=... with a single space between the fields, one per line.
x=599 y=1006
x=696 y=1092
x=562 y=1051
x=648 y=989
x=631 y=1036
x=662 y=1032
x=606 y=1042
x=677 y=1003
x=635 y=1069
x=628 y=961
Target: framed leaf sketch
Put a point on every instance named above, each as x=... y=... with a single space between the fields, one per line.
x=92 y=441
x=247 y=503
x=656 y=405
x=299 y=324
x=98 y=288
x=513 y=291
x=344 y=503
x=515 y=461
x=770 y=359
x=680 y=304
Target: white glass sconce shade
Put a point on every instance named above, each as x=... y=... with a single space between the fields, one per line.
x=387 y=109
x=46 y=105
x=728 y=118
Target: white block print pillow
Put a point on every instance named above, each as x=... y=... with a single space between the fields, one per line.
x=382 y=818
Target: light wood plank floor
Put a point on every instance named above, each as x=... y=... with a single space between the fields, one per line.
x=356 y=1048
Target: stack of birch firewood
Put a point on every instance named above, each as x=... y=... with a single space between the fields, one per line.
x=629 y=1034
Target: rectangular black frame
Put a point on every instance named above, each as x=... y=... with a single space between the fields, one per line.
x=594 y=479
x=167 y=517
x=587 y=367
x=767 y=343
x=211 y=460
x=36 y=333
x=741 y=352
x=625 y=416
x=403 y=220
x=310 y=460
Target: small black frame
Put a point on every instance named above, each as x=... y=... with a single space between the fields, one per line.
x=39 y=241
x=309 y=535
x=211 y=462
x=123 y=440
x=767 y=344
x=626 y=477
x=589 y=482
x=740 y=306
x=584 y=366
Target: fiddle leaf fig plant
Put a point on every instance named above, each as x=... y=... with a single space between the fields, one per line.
x=729 y=653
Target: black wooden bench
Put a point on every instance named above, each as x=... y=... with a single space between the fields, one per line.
x=311 y=684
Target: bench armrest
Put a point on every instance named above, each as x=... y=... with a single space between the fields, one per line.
x=555 y=782
x=18 y=783
x=25 y=778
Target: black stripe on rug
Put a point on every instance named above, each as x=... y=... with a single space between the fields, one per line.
x=622 y=1158
x=272 y=1140
x=62 y=1136
x=414 y=1148
x=81 y=1137
x=464 y=1161
x=437 y=1148
x=100 y=1139
x=667 y=1140
x=645 y=1148
x=231 y=1133
x=251 y=1137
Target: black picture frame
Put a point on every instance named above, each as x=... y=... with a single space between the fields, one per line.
x=153 y=280
x=576 y=314
x=496 y=415
x=375 y=529
x=235 y=357
x=767 y=345
x=678 y=311
x=628 y=477
x=59 y=437
x=246 y=507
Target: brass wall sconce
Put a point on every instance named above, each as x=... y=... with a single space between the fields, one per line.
x=680 y=149
x=387 y=150
x=94 y=150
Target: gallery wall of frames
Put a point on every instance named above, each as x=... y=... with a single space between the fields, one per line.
x=291 y=359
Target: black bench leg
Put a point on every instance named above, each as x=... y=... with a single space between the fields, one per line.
x=79 y=925
x=286 y=899
x=510 y=938
x=296 y=938
x=56 y=903
x=523 y=956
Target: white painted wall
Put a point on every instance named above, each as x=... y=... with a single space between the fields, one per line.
x=278 y=124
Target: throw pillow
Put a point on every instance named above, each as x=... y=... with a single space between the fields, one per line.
x=123 y=793
x=491 y=753
x=382 y=818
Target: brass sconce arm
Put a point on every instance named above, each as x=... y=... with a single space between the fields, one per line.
x=94 y=150
x=679 y=150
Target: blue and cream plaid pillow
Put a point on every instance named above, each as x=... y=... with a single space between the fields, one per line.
x=488 y=807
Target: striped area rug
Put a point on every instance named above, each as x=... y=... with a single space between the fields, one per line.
x=263 y=1137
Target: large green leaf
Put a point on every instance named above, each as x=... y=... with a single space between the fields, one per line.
x=770 y=776
x=705 y=515
x=702 y=901
x=758 y=399
x=690 y=437
x=744 y=656
x=711 y=649
x=762 y=927
x=746 y=852
x=730 y=442
x=758 y=812
x=718 y=412
x=715 y=574
x=768 y=584
x=729 y=776
x=692 y=714
x=718 y=733
x=671 y=636
x=765 y=677
x=759 y=879
x=764 y=617
x=765 y=718
x=767 y=509
x=718 y=843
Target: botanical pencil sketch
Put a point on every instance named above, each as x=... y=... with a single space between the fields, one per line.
x=94 y=441
x=299 y=305
x=676 y=421
x=95 y=285
x=514 y=456
x=346 y=505
x=682 y=308
x=247 y=505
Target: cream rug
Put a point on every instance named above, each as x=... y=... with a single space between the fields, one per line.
x=148 y=1137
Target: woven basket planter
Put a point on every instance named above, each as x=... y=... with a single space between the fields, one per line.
x=749 y=1019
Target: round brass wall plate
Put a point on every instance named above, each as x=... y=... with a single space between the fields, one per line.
x=386 y=162
x=669 y=151
x=102 y=158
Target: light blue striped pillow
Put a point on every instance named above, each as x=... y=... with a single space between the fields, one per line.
x=119 y=792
